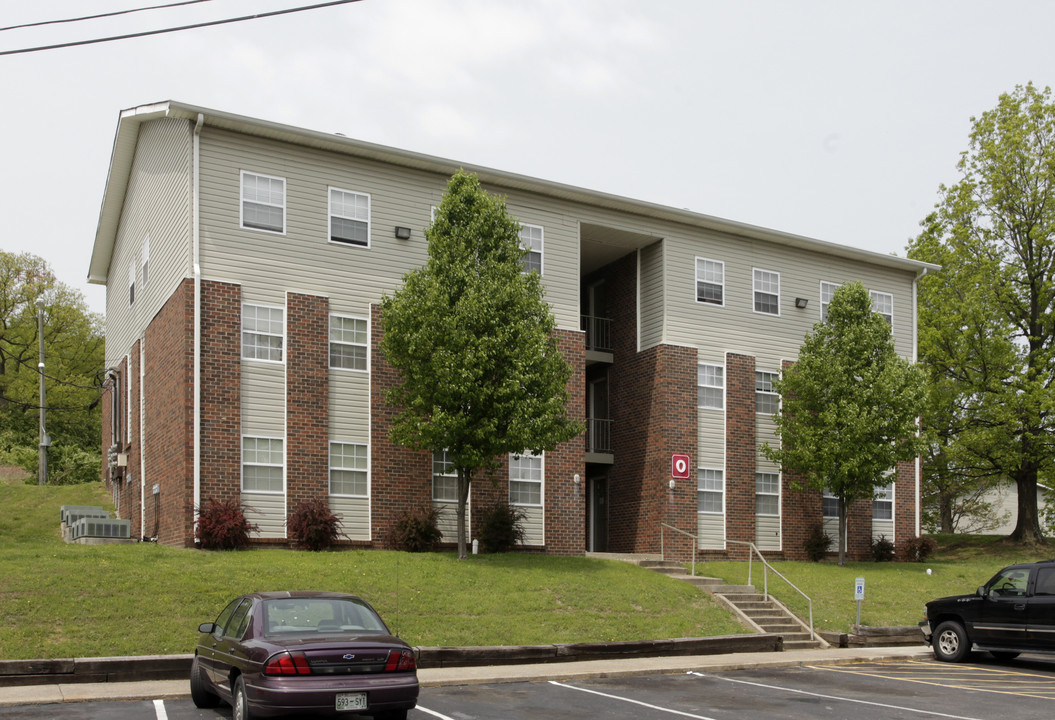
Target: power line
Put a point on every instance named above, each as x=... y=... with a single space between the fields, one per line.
x=177 y=29
x=101 y=15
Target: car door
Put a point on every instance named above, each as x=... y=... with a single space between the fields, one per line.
x=228 y=646
x=207 y=643
x=1041 y=612
x=1001 y=619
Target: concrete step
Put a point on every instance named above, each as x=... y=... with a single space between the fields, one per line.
x=731 y=589
x=804 y=644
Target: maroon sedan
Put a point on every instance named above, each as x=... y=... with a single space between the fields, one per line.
x=303 y=652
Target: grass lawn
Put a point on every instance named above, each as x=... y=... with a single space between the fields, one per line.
x=59 y=600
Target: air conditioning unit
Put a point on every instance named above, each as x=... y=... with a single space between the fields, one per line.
x=96 y=527
x=72 y=513
x=122 y=459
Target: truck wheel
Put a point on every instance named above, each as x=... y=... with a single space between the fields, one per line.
x=950 y=642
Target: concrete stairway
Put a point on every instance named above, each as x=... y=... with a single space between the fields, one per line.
x=764 y=615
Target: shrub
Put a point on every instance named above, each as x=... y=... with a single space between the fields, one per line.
x=314 y=526
x=222 y=525
x=882 y=549
x=817 y=542
x=416 y=530
x=501 y=527
x=917 y=549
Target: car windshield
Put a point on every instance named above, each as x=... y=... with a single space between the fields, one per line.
x=320 y=615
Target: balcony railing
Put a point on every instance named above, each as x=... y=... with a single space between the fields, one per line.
x=598 y=333
x=598 y=435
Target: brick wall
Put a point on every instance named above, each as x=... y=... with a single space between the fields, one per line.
x=905 y=501
x=740 y=452
x=307 y=398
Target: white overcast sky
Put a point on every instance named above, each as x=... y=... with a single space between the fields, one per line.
x=834 y=120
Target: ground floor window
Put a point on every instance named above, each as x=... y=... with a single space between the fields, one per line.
x=767 y=493
x=710 y=491
x=262 y=465
x=883 y=504
x=444 y=478
x=348 y=469
x=525 y=479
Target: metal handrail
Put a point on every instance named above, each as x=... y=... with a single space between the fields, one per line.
x=765 y=578
x=662 y=551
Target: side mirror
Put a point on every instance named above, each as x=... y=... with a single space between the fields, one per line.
x=207 y=628
x=981 y=591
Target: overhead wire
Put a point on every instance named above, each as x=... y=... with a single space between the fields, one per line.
x=102 y=15
x=180 y=28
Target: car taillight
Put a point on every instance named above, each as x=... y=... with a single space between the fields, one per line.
x=287 y=663
x=400 y=661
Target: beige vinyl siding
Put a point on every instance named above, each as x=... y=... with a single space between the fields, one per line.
x=767 y=532
x=651 y=290
x=350 y=276
x=268 y=512
x=884 y=528
x=711 y=530
x=350 y=404
x=263 y=398
x=768 y=338
x=354 y=514
x=831 y=529
x=448 y=519
x=534 y=525
x=158 y=204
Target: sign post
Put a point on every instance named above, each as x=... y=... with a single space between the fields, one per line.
x=859 y=595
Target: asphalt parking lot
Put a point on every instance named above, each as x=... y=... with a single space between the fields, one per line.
x=917 y=688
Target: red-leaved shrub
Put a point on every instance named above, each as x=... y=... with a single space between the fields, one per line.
x=313 y=525
x=222 y=525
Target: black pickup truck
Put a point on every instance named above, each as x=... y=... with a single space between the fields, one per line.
x=1013 y=613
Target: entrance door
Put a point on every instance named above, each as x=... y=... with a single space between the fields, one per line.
x=599 y=514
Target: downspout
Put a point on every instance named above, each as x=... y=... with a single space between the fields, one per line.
x=915 y=359
x=196 y=252
x=142 y=450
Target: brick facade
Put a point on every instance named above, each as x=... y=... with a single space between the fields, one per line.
x=307 y=398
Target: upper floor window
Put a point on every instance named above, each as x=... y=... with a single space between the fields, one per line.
x=767 y=400
x=827 y=292
x=348 y=343
x=131 y=284
x=883 y=303
x=444 y=478
x=262 y=333
x=263 y=202
x=348 y=469
x=883 y=504
x=710 y=491
x=525 y=479
x=349 y=217
x=767 y=292
x=531 y=240
x=145 y=260
x=767 y=493
x=710 y=390
x=262 y=464
x=710 y=281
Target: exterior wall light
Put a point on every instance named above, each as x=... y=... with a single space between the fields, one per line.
x=801 y=303
x=403 y=233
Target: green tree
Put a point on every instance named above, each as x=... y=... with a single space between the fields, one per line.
x=73 y=349
x=473 y=340
x=850 y=405
x=995 y=230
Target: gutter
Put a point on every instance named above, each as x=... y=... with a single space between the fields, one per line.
x=915 y=359
x=196 y=260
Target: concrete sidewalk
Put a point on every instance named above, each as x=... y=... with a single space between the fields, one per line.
x=439 y=677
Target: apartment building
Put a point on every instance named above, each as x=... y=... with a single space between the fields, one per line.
x=244 y=262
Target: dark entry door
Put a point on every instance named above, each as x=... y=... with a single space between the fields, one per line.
x=599 y=514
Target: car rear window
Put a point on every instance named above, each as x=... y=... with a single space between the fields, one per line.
x=320 y=615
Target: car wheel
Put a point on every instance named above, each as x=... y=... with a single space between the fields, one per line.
x=1004 y=654
x=240 y=707
x=202 y=698
x=950 y=642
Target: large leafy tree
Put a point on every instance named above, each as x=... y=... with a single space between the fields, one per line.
x=850 y=405
x=473 y=340
x=988 y=325
x=73 y=349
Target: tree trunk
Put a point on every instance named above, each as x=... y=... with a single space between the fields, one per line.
x=842 y=531
x=945 y=501
x=1027 y=530
x=463 y=500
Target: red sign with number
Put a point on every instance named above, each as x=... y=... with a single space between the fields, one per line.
x=679 y=467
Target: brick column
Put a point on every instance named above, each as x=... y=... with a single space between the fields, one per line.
x=565 y=501
x=307 y=398
x=740 y=451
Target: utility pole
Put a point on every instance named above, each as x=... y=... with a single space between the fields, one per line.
x=45 y=441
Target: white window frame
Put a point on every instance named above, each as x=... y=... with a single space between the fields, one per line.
x=357 y=217
x=710 y=266
x=707 y=378
x=881 y=301
x=514 y=465
x=764 y=388
x=532 y=239
x=145 y=260
x=883 y=502
x=281 y=465
x=131 y=284
x=360 y=452
x=266 y=334
x=365 y=345
x=256 y=201
x=443 y=470
x=712 y=483
x=827 y=291
x=765 y=478
x=762 y=286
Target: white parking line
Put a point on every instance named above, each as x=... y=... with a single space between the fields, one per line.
x=159 y=708
x=433 y=713
x=634 y=702
x=835 y=697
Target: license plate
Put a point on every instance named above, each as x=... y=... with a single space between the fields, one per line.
x=351 y=701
